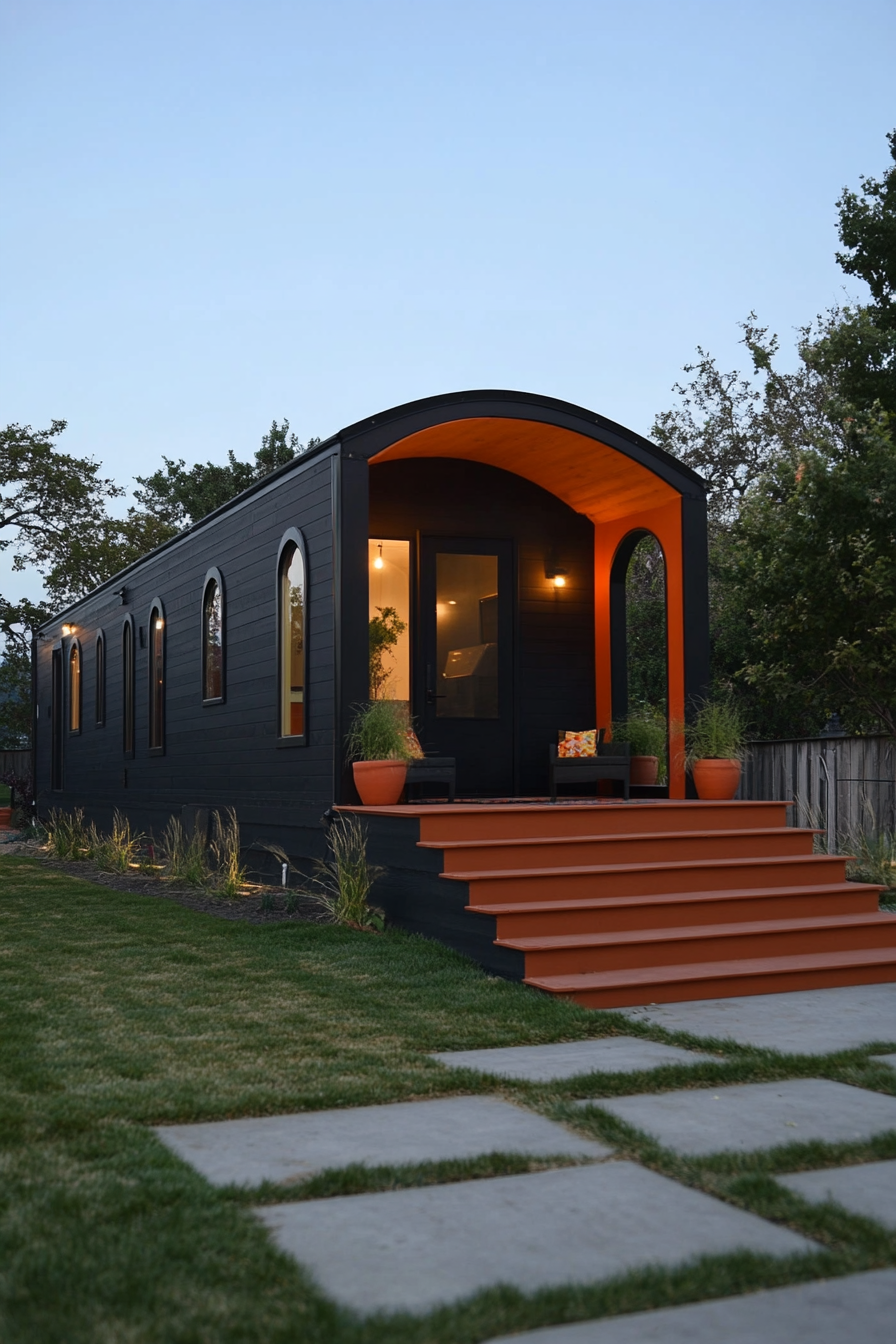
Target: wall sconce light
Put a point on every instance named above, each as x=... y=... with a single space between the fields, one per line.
x=378 y=560
x=69 y=629
x=160 y=624
x=122 y=593
x=559 y=579
x=555 y=572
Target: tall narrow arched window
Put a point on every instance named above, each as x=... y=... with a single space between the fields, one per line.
x=293 y=647
x=100 y=669
x=156 y=678
x=127 y=687
x=74 y=688
x=213 y=638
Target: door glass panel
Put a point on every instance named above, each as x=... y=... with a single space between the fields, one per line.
x=466 y=636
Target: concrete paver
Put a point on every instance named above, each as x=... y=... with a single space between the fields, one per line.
x=291 y=1147
x=749 y=1116
x=861 y=1307
x=807 y=1022
x=886 y=1059
x=544 y=1063
x=414 y=1249
x=869 y=1189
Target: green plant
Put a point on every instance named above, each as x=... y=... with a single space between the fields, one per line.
x=116 y=852
x=184 y=860
x=385 y=630
x=646 y=731
x=67 y=836
x=379 y=732
x=718 y=731
x=342 y=882
x=228 y=874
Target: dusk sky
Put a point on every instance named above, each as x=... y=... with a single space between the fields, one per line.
x=215 y=214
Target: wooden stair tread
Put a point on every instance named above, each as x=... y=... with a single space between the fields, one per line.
x=673 y=898
x=555 y=942
x=616 y=837
x=714 y=970
x=610 y=869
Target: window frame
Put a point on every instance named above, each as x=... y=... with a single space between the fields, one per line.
x=292 y=537
x=156 y=612
x=99 y=671
x=75 y=699
x=212 y=576
x=128 y=688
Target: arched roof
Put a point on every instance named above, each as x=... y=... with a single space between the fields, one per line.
x=596 y=466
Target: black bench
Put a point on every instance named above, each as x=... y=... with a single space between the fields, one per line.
x=613 y=761
x=432 y=770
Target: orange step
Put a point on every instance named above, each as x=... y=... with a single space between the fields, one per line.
x=666 y=910
x=571 y=954
x=650 y=847
x=722 y=979
x=644 y=879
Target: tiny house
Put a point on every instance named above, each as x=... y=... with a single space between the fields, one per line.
x=222 y=668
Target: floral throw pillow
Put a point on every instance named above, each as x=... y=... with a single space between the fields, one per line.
x=578 y=744
x=416 y=751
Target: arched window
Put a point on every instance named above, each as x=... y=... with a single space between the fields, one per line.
x=213 y=638
x=156 y=678
x=74 y=688
x=100 y=679
x=127 y=684
x=293 y=649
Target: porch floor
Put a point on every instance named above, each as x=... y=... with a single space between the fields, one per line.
x=616 y=903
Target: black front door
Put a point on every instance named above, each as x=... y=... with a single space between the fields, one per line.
x=466 y=606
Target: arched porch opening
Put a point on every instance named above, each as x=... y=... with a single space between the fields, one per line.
x=619 y=484
x=639 y=623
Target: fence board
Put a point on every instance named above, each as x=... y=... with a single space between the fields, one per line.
x=847 y=785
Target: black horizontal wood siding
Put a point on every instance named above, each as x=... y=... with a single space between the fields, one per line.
x=218 y=754
x=555 y=628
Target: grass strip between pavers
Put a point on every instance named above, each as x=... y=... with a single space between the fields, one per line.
x=120 y=1011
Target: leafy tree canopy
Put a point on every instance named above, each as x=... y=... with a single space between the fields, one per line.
x=180 y=495
x=802 y=474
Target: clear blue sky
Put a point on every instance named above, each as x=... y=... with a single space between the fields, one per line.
x=215 y=213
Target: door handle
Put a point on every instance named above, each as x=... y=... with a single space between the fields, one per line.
x=431 y=696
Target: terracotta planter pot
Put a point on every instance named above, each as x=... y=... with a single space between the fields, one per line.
x=645 y=769
x=716 y=780
x=5 y=816
x=379 y=782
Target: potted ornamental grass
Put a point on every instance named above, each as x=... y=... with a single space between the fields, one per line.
x=715 y=742
x=646 y=731
x=379 y=747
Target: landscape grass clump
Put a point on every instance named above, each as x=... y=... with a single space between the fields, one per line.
x=228 y=874
x=67 y=835
x=342 y=882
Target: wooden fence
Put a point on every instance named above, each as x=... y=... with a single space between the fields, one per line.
x=845 y=784
x=16 y=762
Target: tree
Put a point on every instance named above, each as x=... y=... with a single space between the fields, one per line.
x=178 y=495
x=802 y=473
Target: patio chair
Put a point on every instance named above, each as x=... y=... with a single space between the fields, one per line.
x=613 y=761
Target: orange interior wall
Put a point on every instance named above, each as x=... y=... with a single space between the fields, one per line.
x=665 y=524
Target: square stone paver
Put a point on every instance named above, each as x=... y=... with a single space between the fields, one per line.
x=756 y=1115
x=886 y=1059
x=869 y=1190
x=543 y=1063
x=861 y=1308
x=807 y=1022
x=414 y=1249
x=291 y=1147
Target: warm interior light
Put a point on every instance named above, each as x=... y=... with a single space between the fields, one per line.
x=559 y=580
x=159 y=623
x=378 y=562
x=451 y=602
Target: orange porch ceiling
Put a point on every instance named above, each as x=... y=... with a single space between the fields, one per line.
x=588 y=475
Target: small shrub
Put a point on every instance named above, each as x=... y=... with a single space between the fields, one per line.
x=718 y=732
x=115 y=853
x=184 y=860
x=67 y=836
x=379 y=732
x=228 y=874
x=342 y=883
x=646 y=730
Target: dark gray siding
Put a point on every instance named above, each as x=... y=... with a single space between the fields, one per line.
x=218 y=754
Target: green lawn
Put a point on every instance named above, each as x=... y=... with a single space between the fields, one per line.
x=121 y=1011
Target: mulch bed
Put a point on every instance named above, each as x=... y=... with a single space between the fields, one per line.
x=246 y=907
